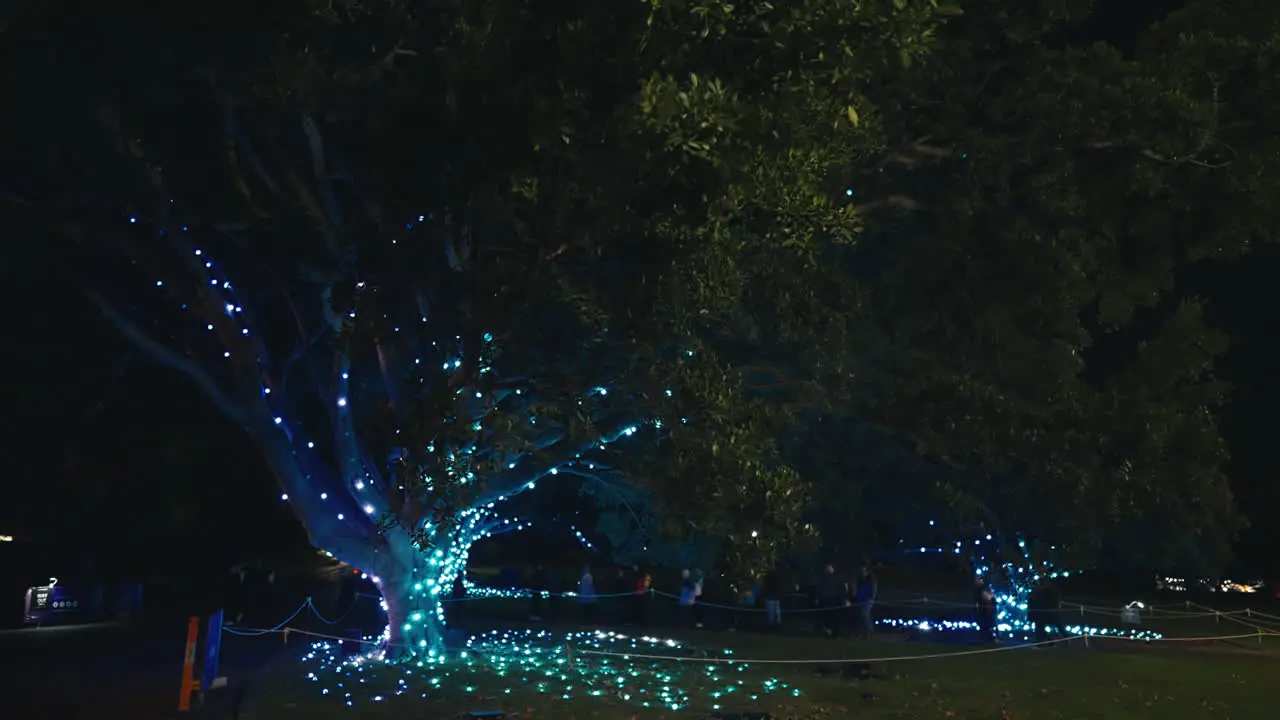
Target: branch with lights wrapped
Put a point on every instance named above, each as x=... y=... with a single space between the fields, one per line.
x=443 y=490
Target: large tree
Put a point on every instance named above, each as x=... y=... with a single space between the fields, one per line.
x=433 y=255
x=1032 y=229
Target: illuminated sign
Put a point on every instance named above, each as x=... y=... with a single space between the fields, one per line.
x=46 y=602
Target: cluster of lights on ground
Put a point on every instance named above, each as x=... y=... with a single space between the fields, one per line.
x=494 y=663
x=563 y=666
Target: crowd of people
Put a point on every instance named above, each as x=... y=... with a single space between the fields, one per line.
x=836 y=605
x=841 y=607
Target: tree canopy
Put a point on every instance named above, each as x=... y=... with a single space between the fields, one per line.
x=955 y=231
x=463 y=237
x=1039 y=195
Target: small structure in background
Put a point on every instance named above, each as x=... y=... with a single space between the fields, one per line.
x=1232 y=586
x=47 y=602
x=1178 y=584
x=56 y=602
x=1131 y=614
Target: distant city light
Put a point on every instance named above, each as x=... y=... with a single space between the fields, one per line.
x=6 y=538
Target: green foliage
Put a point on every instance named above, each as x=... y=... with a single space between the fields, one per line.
x=608 y=186
x=1026 y=226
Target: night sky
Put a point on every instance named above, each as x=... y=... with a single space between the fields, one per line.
x=99 y=442
x=102 y=443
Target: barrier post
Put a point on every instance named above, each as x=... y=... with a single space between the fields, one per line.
x=212 y=647
x=189 y=683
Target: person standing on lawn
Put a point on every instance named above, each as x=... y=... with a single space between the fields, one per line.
x=587 y=595
x=985 y=609
x=864 y=599
x=832 y=599
x=642 y=597
x=772 y=594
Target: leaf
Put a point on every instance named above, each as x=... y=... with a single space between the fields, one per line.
x=852 y=112
x=947 y=8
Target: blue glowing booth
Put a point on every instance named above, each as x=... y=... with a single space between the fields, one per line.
x=51 y=603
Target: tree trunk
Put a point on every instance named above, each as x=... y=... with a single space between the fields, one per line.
x=413 y=582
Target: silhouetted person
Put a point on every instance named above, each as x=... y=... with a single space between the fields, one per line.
x=688 y=596
x=864 y=600
x=641 y=596
x=771 y=591
x=587 y=595
x=831 y=599
x=746 y=600
x=985 y=610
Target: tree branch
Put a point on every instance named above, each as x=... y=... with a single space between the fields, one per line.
x=619 y=493
x=915 y=153
x=536 y=466
x=899 y=202
x=1153 y=155
x=352 y=461
x=237 y=138
x=165 y=355
x=320 y=168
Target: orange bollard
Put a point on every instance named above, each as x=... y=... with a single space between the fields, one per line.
x=189 y=666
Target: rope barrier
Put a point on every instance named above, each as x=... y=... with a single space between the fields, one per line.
x=1246 y=612
x=790 y=661
x=1259 y=634
x=545 y=594
x=815 y=661
x=309 y=633
x=316 y=611
x=1262 y=629
x=741 y=608
x=253 y=633
x=1262 y=623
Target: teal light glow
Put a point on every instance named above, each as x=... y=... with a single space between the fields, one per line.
x=1012 y=571
x=551 y=664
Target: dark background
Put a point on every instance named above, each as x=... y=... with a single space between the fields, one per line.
x=105 y=451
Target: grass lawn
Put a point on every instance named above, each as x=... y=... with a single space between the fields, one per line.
x=542 y=682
